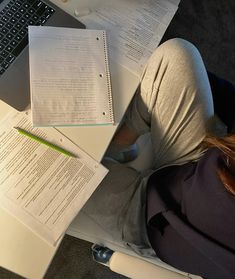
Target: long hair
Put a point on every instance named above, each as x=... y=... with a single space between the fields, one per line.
x=226 y=170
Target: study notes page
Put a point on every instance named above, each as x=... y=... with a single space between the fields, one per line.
x=69 y=77
x=134 y=28
x=41 y=187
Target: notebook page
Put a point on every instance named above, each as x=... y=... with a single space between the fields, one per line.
x=69 y=77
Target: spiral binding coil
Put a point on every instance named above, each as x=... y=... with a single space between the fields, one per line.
x=110 y=98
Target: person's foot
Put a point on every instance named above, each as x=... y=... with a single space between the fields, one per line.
x=122 y=154
x=123 y=147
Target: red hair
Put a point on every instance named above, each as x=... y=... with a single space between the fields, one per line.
x=226 y=170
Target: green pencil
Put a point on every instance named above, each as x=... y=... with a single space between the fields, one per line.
x=42 y=141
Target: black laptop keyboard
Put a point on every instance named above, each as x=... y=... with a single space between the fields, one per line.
x=14 y=21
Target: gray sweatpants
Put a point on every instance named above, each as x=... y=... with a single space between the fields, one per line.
x=174 y=104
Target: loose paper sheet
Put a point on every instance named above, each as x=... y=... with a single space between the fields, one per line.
x=41 y=187
x=134 y=28
x=69 y=77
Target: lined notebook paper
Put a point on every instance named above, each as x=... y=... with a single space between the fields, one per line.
x=69 y=77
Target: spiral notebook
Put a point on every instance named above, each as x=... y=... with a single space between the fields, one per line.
x=69 y=77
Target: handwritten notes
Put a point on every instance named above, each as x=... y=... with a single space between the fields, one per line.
x=69 y=77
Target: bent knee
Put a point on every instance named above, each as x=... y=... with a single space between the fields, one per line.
x=177 y=49
x=176 y=43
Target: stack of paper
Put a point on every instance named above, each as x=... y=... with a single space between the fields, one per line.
x=41 y=187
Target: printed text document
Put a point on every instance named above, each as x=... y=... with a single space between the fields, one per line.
x=41 y=187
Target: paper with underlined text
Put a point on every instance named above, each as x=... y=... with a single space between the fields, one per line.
x=134 y=28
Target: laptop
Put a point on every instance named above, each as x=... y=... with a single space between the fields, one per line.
x=15 y=16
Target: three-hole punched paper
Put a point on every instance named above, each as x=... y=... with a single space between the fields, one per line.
x=69 y=77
